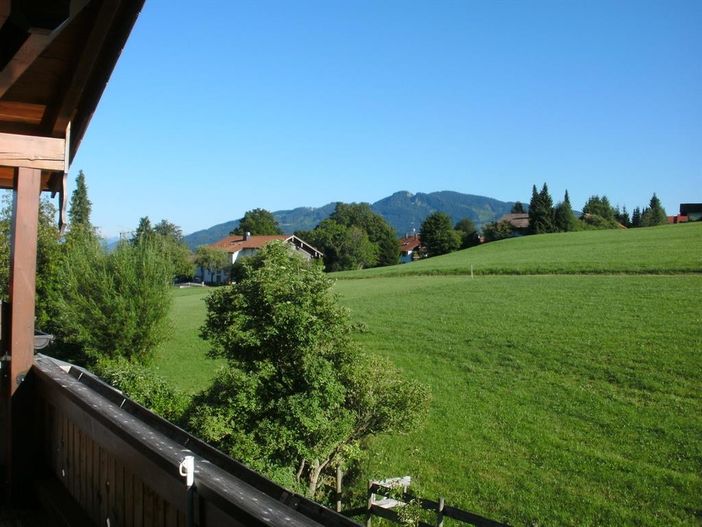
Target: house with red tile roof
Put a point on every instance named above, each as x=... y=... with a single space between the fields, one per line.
x=410 y=248
x=238 y=247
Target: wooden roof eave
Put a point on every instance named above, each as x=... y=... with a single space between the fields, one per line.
x=81 y=53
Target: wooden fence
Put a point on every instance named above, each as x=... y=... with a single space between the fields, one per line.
x=441 y=510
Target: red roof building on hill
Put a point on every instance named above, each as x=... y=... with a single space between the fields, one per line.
x=238 y=246
x=410 y=248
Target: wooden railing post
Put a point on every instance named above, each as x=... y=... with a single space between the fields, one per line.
x=20 y=345
x=440 y=513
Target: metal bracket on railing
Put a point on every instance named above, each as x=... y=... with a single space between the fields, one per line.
x=187 y=470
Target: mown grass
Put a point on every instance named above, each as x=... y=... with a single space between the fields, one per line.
x=182 y=355
x=666 y=249
x=558 y=398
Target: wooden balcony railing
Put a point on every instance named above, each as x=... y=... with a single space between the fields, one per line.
x=119 y=462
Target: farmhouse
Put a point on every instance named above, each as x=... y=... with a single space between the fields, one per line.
x=237 y=247
x=518 y=220
x=410 y=248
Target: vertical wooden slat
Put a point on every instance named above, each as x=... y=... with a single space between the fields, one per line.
x=118 y=490
x=110 y=485
x=75 y=472
x=148 y=507
x=128 y=497
x=89 y=479
x=138 y=502
x=66 y=448
x=101 y=480
x=171 y=515
x=160 y=511
x=83 y=472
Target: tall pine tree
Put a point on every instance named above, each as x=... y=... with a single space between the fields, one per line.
x=80 y=207
x=654 y=214
x=564 y=219
x=541 y=213
x=636 y=217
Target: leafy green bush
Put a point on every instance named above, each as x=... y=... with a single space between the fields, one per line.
x=143 y=387
x=114 y=304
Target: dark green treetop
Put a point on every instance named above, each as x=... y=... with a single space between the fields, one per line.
x=437 y=234
x=377 y=228
x=468 y=233
x=564 y=218
x=258 y=222
x=654 y=214
x=541 y=213
x=80 y=207
x=518 y=208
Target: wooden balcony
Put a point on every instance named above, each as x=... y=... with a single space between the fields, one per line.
x=115 y=463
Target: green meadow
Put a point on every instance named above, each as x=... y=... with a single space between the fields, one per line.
x=666 y=249
x=566 y=388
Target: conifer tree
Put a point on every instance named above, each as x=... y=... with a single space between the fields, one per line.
x=564 y=219
x=80 y=207
x=636 y=217
x=518 y=208
x=654 y=214
x=143 y=230
x=541 y=213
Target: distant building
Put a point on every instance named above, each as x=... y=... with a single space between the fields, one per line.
x=677 y=219
x=693 y=211
x=237 y=247
x=410 y=248
x=518 y=220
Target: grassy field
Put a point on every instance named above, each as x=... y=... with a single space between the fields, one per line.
x=666 y=249
x=558 y=399
x=182 y=357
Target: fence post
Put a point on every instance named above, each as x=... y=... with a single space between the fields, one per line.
x=339 y=475
x=369 y=510
x=440 y=513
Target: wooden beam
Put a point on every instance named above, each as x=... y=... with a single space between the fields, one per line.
x=21 y=112
x=44 y=153
x=27 y=54
x=34 y=46
x=56 y=119
x=23 y=264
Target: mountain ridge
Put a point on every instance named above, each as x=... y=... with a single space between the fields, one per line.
x=403 y=210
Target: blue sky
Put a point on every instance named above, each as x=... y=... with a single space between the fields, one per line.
x=219 y=107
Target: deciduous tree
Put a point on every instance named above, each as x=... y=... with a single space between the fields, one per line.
x=468 y=233
x=437 y=234
x=297 y=396
x=258 y=222
x=376 y=227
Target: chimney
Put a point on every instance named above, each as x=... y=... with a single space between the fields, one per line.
x=247 y=235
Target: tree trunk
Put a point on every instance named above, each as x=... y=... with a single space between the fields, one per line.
x=315 y=471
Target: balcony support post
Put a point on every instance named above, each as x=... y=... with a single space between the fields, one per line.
x=19 y=330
